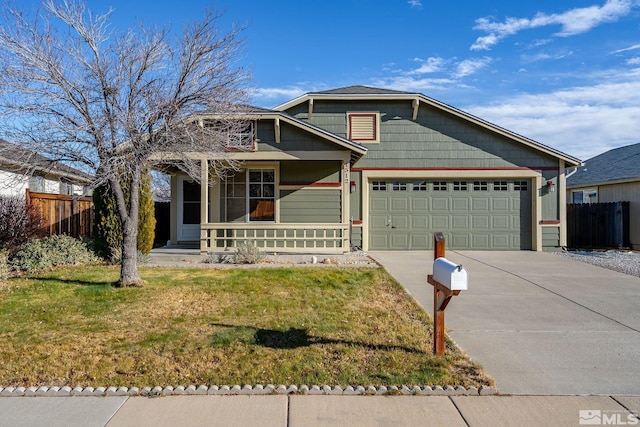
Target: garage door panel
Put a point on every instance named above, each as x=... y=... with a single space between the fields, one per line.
x=378 y=221
x=501 y=241
x=399 y=204
x=421 y=240
x=440 y=222
x=480 y=204
x=480 y=241
x=379 y=240
x=379 y=205
x=500 y=204
x=480 y=222
x=419 y=222
x=400 y=222
x=501 y=222
x=399 y=241
x=418 y=204
x=440 y=204
x=460 y=204
x=460 y=222
x=460 y=240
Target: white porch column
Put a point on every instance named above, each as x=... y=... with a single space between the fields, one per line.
x=536 y=214
x=204 y=204
x=562 y=200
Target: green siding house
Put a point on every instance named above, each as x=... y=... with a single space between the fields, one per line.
x=377 y=169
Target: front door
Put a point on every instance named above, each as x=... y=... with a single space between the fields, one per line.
x=188 y=210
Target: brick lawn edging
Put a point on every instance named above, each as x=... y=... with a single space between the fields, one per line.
x=67 y=391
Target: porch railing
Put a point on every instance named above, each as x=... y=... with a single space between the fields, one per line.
x=308 y=238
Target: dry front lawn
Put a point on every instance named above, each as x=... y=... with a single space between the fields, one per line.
x=334 y=326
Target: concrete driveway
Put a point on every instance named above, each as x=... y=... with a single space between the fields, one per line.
x=537 y=322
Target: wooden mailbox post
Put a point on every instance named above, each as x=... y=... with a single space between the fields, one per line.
x=441 y=297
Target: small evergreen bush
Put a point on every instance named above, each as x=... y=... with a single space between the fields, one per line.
x=248 y=253
x=52 y=251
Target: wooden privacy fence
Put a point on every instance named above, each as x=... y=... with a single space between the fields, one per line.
x=598 y=225
x=62 y=214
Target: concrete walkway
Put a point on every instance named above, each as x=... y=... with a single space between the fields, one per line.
x=310 y=411
x=537 y=322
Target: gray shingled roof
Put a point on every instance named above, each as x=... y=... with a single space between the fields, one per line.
x=618 y=164
x=361 y=90
x=14 y=158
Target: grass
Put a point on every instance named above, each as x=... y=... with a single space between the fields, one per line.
x=237 y=326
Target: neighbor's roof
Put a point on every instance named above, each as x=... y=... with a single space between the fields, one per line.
x=16 y=159
x=372 y=93
x=614 y=166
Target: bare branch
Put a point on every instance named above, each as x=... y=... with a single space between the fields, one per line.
x=72 y=89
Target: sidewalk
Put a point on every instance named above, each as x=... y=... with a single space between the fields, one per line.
x=309 y=411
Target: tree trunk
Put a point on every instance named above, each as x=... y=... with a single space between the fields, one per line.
x=129 y=275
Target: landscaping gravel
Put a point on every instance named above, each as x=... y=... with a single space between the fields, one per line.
x=627 y=262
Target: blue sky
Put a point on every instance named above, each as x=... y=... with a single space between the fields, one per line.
x=565 y=73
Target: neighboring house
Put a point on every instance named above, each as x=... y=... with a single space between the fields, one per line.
x=613 y=176
x=377 y=169
x=21 y=169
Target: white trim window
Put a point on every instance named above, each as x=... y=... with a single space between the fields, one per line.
x=262 y=195
x=249 y=196
x=363 y=127
x=242 y=136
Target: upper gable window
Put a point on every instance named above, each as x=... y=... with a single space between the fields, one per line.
x=363 y=127
x=241 y=137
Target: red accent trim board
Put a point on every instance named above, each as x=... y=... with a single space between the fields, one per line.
x=550 y=221
x=515 y=168
x=314 y=184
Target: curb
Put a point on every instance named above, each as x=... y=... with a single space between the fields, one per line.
x=255 y=390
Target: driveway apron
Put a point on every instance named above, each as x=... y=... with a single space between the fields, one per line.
x=537 y=322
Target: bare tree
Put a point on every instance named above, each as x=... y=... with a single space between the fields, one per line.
x=109 y=103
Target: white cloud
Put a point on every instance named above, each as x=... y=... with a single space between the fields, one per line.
x=410 y=84
x=470 y=66
x=278 y=93
x=581 y=121
x=633 y=61
x=634 y=47
x=572 y=22
x=430 y=65
x=415 y=3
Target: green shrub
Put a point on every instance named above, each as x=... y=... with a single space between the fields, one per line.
x=146 y=215
x=51 y=252
x=248 y=253
x=107 y=226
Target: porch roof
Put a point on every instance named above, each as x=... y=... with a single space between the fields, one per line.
x=258 y=113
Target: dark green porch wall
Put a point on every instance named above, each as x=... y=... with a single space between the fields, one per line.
x=310 y=171
x=550 y=239
x=550 y=199
x=434 y=139
x=356 y=196
x=310 y=206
